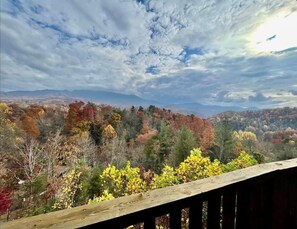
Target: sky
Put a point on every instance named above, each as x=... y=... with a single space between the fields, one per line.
x=214 y=52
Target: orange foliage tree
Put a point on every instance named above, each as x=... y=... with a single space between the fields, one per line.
x=202 y=130
x=79 y=116
x=29 y=125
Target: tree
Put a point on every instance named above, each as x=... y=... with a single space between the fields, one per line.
x=108 y=133
x=158 y=148
x=184 y=144
x=224 y=142
x=118 y=152
x=120 y=182
x=151 y=109
x=88 y=112
x=30 y=126
x=31 y=164
x=50 y=151
x=152 y=158
x=167 y=178
x=245 y=140
x=31 y=159
x=68 y=152
x=5 y=200
x=114 y=119
x=166 y=140
x=71 y=186
x=201 y=129
x=242 y=161
x=196 y=167
x=285 y=151
x=140 y=109
x=131 y=125
x=88 y=149
x=50 y=123
x=9 y=135
x=96 y=133
x=93 y=185
x=74 y=116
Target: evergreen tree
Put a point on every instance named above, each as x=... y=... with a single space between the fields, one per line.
x=158 y=148
x=224 y=142
x=184 y=144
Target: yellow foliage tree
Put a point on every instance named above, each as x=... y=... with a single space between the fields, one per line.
x=71 y=185
x=9 y=134
x=105 y=196
x=167 y=178
x=123 y=181
x=4 y=108
x=108 y=132
x=197 y=167
x=242 y=161
x=244 y=140
x=114 y=119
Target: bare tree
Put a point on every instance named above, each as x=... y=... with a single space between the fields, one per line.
x=50 y=151
x=31 y=160
x=88 y=150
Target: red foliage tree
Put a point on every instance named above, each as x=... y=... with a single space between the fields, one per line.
x=74 y=115
x=4 y=201
x=277 y=140
x=35 y=111
x=88 y=113
x=202 y=130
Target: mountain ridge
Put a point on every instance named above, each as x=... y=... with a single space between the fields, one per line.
x=116 y=99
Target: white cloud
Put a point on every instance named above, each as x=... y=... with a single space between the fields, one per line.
x=114 y=44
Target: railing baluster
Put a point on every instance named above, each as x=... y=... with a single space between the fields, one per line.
x=284 y=202
x=229 y=199
x=150 y=223
x=260 y=205
x=280 y=203
x=175 y=219
x=213 y=212
x=195 y=216
x=243 y=208
x=292 y=201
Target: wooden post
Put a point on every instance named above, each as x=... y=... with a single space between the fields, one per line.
x=195 y=216
x=229 y=199
x=150 y=223
x=243 y=208
x=292 y=197
x=280 y=202
x=213 y=212
x=175 y=219
x=260 y=215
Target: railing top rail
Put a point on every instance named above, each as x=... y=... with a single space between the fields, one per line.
x=107 y=210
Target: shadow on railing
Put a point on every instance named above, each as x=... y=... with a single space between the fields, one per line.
x=262 y=196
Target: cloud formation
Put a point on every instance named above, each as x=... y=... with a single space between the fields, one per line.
x=173 y=51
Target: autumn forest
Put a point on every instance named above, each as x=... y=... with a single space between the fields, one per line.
x=61 y=156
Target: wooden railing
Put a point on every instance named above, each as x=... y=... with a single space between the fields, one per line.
x=262 y=196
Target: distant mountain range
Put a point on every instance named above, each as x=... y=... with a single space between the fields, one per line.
x=205 y=110
x=112 y=98
x=103 y=97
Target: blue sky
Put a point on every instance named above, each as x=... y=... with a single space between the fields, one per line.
x=231 y=52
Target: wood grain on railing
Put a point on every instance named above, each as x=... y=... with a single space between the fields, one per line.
x=233 y=198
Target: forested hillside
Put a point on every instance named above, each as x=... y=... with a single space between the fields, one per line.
x=60 y=156
x=260 y=121
x=275 y=129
